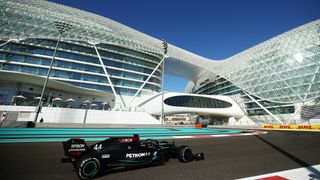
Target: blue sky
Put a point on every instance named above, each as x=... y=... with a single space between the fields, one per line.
x=215 y=29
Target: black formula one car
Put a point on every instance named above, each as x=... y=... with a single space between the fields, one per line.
x=123 y=152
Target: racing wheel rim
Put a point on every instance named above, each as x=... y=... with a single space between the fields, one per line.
x=89 y=168
x=187 y=155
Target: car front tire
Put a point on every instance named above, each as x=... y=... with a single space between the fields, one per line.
x=185 y=154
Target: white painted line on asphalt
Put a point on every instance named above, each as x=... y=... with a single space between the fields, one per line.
x=254 y=133
x=248 y=134
x=181 y=137
x=220 y=135
x=259 y=132
x=311 y=172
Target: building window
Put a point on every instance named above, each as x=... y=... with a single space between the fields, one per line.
x=196 y=102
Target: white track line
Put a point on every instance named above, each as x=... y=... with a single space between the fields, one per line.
x=305 y=173
x=253 y=133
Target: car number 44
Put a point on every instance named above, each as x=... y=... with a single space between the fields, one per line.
x=97 y=147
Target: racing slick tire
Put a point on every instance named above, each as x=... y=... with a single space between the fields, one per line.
x=87 y=167
x=185 y=154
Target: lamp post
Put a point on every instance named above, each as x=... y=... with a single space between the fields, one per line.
x=61 y=27
x=165 y=50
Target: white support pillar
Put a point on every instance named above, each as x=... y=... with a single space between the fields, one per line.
x=40 y=104
x=145 y=82
x=295 y=113
x=108 y=76
x=299 y=109
x=259 y=104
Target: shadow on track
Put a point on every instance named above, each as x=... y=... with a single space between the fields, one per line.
x=105 y=172
x=314 y=172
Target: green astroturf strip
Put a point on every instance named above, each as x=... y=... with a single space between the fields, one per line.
x=65 y=139
x=61 y=134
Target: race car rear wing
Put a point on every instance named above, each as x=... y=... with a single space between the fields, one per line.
x=73 y=148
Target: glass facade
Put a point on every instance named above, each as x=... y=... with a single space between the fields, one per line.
x=223 y=87
x=284 y=69
x=196 y=102
x=279 y=74
x=127 y=68
x=30 y=33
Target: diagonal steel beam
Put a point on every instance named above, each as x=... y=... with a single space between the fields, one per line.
x=61 y=27
x=145 y=82
x=259 y=104
x=108 y=76
x=10 y=40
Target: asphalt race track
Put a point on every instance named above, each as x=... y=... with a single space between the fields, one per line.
x=226 y=158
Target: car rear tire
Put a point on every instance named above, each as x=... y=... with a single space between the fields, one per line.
x=87 y=167
x=185 y=154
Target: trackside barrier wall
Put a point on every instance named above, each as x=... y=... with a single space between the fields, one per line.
x=81 y=116
x=292 y=127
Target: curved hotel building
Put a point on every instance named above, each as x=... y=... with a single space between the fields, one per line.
x=98 y=62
